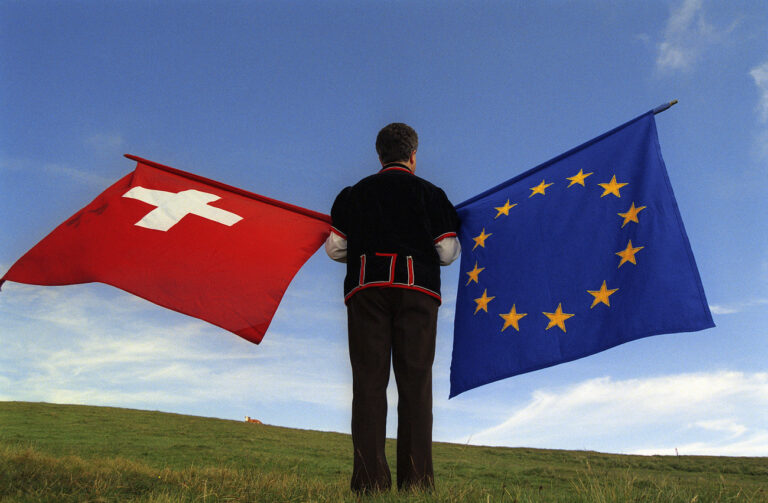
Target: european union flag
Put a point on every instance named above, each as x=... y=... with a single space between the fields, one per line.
x=580 y=254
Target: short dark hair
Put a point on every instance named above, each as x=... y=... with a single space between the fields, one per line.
x=395 y=142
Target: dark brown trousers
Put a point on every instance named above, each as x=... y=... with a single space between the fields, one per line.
x=401 y=323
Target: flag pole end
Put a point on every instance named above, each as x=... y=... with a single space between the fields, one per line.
x=663 y=107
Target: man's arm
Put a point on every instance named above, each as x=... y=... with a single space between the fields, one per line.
x=448 y=248
x=445 y=226
x=336 y=246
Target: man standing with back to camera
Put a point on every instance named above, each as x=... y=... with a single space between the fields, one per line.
x=394 y=230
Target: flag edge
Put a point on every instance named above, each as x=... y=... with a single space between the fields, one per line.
x=709 y=323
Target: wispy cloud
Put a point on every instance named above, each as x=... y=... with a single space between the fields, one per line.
x=653 y=415
x=736 y=307
x=86 y=172
x=53 y=168
x=77 y=174
x=686 y=36
x=95 y=345
x=760 y=75
x=755 y=444
x=105 y=141
x=721 y=309
x=730 y=426
x=92 y=344
x=56 y=169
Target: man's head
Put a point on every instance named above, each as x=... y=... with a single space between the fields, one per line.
x=397 y=142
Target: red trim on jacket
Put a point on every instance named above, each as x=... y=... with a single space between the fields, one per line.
x=338 y=232
x=393 y=285
x=392 y=261
x=443 y=236
x=390 y=283
x=397 y=168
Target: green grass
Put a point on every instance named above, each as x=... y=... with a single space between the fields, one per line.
x=78 y=453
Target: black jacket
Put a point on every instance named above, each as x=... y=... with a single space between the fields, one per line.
x=392 y=221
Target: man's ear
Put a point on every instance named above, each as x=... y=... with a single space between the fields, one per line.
x=412 y=159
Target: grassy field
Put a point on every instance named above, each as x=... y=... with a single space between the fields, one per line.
x=79 y=453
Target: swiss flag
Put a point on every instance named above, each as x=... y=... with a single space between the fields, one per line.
x=187 y=243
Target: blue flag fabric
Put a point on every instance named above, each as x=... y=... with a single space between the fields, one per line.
x=580 y=254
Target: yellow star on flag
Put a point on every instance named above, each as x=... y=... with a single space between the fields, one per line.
x=480 y=240
x=557 y=318
x=631 y=215
x=474 y=274
x=511 y=319
x=578 y=178
x=611 y=187
x=540 y=188
x=602 y=295
x=482 y=302
x=503 y=210
x=628 y=253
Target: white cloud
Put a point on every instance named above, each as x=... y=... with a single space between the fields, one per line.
x=686 y=37
x=81 y=173
x=760 y=75
x=95 y=345
x=731 y=426
x=672 y=57
x=720 y=309
x=678 y=50
x=755 y=445
x=702 y=413
x=91 y=344
x=736 y=307
x=77 y=174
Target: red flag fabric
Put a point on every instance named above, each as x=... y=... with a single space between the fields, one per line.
x=187 y=243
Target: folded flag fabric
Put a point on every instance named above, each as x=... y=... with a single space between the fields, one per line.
x=185 y=242
x=580 y=254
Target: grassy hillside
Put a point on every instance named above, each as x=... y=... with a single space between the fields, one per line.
x=78 y=453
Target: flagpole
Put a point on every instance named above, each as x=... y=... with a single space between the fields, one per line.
x=663 y=107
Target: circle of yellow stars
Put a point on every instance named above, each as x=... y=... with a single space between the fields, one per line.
x=599 y=296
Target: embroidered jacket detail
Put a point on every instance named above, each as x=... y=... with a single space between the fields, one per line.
x=392 y=214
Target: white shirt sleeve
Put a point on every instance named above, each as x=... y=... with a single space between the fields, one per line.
x=448 y=249
x=336 y=247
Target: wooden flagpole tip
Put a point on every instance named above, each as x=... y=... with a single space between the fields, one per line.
x=663 y=107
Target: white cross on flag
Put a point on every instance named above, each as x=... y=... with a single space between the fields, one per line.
x=172 y=207
x=184 y=242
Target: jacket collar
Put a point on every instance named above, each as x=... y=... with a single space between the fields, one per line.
x=395 y=166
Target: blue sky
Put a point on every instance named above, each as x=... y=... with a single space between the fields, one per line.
x=285 y=99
